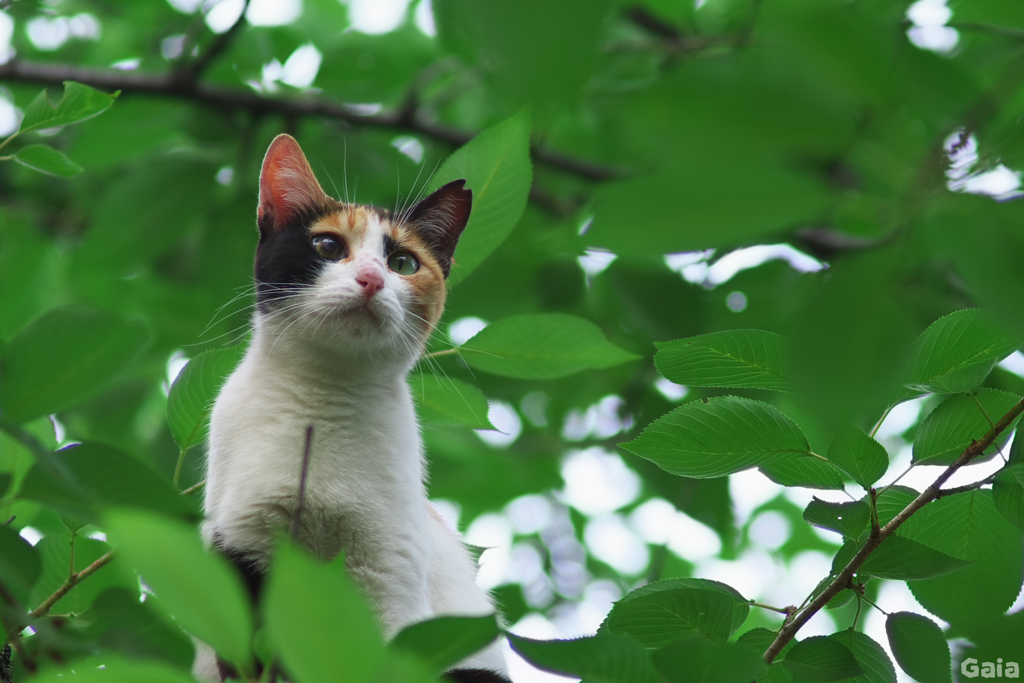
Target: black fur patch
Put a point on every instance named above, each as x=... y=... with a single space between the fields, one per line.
x=475 y=676
x=285 y=258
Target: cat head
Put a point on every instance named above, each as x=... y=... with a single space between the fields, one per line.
x=350 y=277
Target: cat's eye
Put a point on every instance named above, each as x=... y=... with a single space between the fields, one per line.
x=403 y=263
x=329 y=247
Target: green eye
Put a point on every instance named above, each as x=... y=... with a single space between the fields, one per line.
x=329 y=247
x=403 y=263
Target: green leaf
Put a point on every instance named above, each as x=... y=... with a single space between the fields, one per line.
x=893 y=500
x=861 y=457
x=744 y=359
x=804 y=470
x=107 y=668
x=905 y=559
x=46 y=159
x=449 y=402
x=122 y=623
x=660 y=612
x=63 y=358
x=725 y=435
x=55 y=552
x=821 y=658
x=87 y=477
x=957 y=352
x=319 y=622
x=78 y=103
x=541 y=346
x=198 y=588
x=604 y=658
x=968 y=526
x=444 y=641
x=869 y=655
x=191 y=397
x=1008 y=494
x=956 y=422
x=848 y=519
x=695 y=659
x=496 y=167
x=919 y=647
x=20 y=564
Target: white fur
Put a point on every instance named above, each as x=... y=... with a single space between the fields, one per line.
x=326 y=360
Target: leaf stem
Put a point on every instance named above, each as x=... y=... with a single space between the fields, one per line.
x=192 y=489
x=446 y=352
x=177 y=468
x=780 y=610
x=843 y=579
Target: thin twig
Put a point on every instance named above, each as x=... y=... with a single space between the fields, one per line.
x=219 y=97
x=192 y=489
x=843 y=579
x=306 y=453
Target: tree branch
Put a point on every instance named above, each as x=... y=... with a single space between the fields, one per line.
x=875 y=539
x=173 y=86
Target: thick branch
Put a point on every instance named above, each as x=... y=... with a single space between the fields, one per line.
x=171 y=85
x=875 y=539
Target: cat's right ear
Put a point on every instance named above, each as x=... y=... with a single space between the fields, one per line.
x=288 y=187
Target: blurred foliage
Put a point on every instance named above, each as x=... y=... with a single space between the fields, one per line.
x=598 y=137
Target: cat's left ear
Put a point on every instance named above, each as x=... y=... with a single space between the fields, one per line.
x=440 y=219
x=288 y=187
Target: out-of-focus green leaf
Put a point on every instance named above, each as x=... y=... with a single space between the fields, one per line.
x=957 y=352
x=968 y=526
x=726 y=434
x=118 y=620
x=698 y=660
x=46 y=159
x=442 y=642
x=604 y=658
x=544 y=346
x=496 y=167
x=20 y=564
x=848 y=519
x=78 y=103
x=1008 y=494
x=63 y=358
x=744 y=359
x=111 y=669
x=821 y=658
x=199 y=589
x=660 y=612
x=191 y=396
x=447 y=401
x=956 y=422
x=904 y=559
x=861 y=457
x=919 y=646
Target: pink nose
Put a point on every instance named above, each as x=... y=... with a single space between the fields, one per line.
x=370 y=279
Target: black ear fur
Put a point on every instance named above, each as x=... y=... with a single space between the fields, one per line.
x=440 y=219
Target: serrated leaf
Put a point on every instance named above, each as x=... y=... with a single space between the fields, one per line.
x=745 y=359
x=496 y=167
x=78 y=103
x=905 y=559
x=46 y=159
x=448 y=402
x=694 y=659
x=919 y=647
x=860 y=456
x=604 y=658
x=444 y=641
x=198 y=588
x=658 y=613
x=956 y=422
x=957 y=352
x=968 y=526
x=806 y=470
x=63 y=358
x=191 y=397
x=839 y=599
x=869 y=655
x=891 y=501
x=821 y=658
x=541 y=346
x=725 y=435
x=848 y=519
x=1008 y=494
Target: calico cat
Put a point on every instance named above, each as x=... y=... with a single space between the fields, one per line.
x=346 y=296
